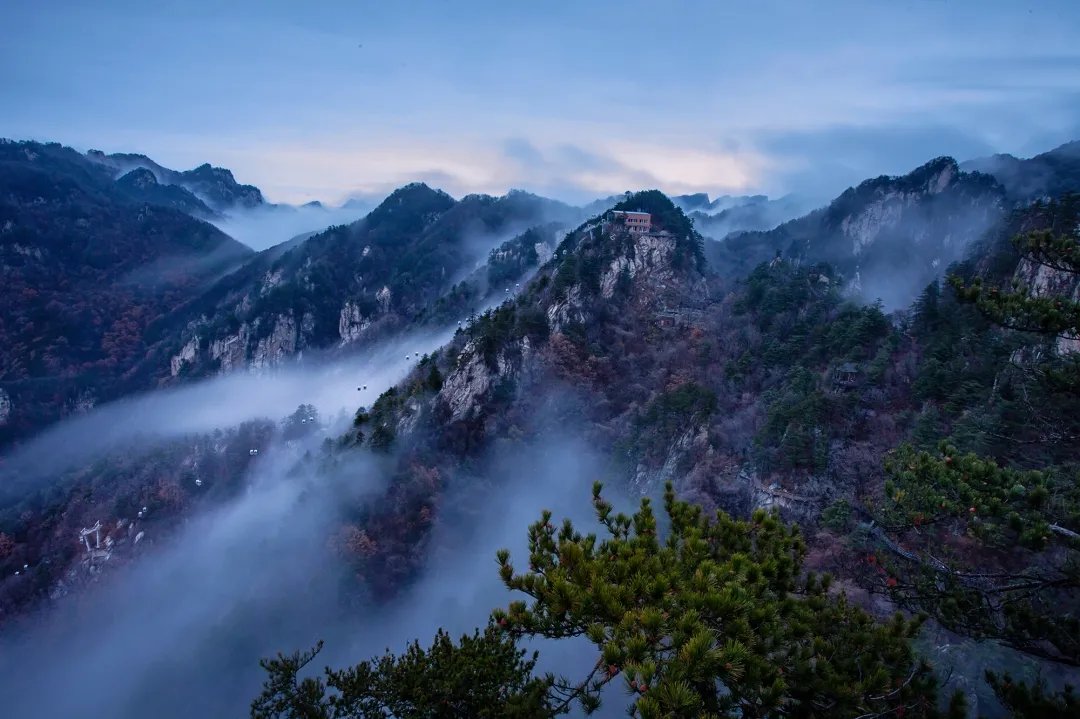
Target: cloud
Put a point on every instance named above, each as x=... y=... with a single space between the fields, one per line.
x=263 y=227
x=179 y=632
x=221 y=402
x=822 y=163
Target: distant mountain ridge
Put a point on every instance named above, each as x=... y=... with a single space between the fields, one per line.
x=87 y=264
x=349 y=283
x=1046 y=175
x=888 y=236
x=181 y=299
x=215 y=186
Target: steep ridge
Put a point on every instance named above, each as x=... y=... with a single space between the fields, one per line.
x=215 y=186
x=1046 y=175
x=118 y=286
x=346 y=285
x=88 y=264
x=140 y=183
x=777 y=391
x=588 y=320
x=888 y=237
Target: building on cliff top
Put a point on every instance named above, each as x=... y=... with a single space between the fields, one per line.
x=635 y=221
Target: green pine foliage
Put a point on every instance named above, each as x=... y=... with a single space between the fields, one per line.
x=1034 y=701
x=483 y=675
x=804 y=324
x=715 y=619
x=1030 y=597
x=990 y=546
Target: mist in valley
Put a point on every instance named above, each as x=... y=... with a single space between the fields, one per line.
x=179 y=630
x=265 y=226
x=333 y=387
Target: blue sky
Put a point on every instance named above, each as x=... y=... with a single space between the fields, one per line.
x=323 y=100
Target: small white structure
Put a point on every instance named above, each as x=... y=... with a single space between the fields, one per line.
x=96 y=531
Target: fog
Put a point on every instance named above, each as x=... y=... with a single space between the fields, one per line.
x=225 y=401
x=755 y=214
x=916 y=248
x=180 y=631
x=269 y=225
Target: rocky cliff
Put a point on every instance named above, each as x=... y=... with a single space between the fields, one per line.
x=888 y=236
x=353 y=283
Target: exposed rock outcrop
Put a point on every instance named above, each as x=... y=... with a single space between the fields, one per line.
x=352 y=324
x=1044 y=281
x=185 y=356
x=650 y=254
x=466 y=384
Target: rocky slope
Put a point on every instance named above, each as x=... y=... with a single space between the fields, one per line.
x=136 y=498
x=116 y=286
x=888 y=237
x=776 y=391
x=347 y=285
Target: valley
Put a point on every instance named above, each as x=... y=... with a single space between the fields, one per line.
x=834 y=447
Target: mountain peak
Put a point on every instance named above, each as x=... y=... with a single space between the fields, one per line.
x=140 y=177
x=415 y=192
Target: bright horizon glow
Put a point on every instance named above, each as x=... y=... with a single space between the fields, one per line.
x=355 y=99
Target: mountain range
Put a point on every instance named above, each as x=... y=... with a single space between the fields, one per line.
x=753 y=368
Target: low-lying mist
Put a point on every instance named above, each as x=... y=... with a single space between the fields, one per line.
x=180 y=632
x=263 y=227
x=332 y=387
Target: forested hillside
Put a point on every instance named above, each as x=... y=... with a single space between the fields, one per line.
x=347 y=285
x=771 y=393
x=921 y=459
x=88 y=264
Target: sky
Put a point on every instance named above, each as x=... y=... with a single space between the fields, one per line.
x=576 y=100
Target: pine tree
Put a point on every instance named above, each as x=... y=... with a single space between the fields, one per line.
x=484 y=675
x=1020 y=582
x=718 y=619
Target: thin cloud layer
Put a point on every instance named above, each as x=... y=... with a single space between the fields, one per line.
x=323 y=103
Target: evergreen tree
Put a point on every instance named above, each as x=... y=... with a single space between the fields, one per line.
x=434 y=378
x=716 y=620
x=484 y=675
x=1019 y=582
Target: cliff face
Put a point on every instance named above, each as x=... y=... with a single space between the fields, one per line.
x=651 y=371
x=352 y=284
x=1044 y=281
x=1062 y=217
x=503 y=374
